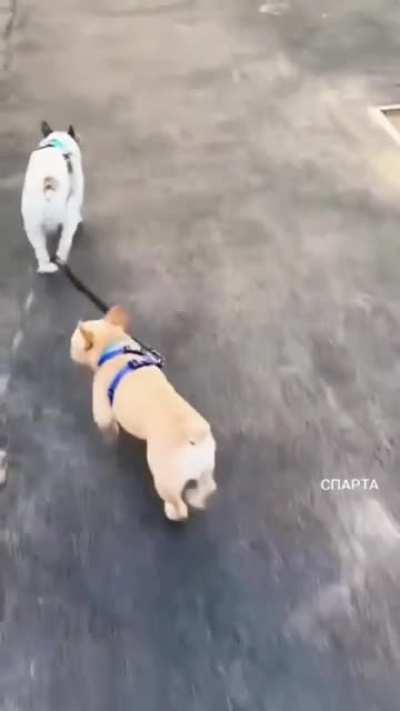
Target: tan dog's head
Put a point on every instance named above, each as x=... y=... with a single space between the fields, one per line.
x=91 y=338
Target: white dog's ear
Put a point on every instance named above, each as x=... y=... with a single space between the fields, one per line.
x=87 y=336
x=71 y=131
x=45 y=128
x=118 y=317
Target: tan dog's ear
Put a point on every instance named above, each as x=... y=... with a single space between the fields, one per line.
x=118 y=317
x=86 y=335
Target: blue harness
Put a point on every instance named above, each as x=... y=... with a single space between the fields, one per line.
x=148 y=357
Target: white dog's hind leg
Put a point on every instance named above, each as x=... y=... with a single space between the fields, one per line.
x=37 y=238
x=78 y=186
x=72 y=220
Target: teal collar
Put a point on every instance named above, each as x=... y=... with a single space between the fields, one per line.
x=55 y=143
x=59 y=146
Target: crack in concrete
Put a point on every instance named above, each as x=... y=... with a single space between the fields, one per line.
x=7 y=33
x=156 y=8
x=6 y=64
x=5 y=382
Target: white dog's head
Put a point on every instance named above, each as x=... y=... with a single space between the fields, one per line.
x=68 y=138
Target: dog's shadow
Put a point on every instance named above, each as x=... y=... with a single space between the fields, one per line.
x=134 y=475
x=130 y=452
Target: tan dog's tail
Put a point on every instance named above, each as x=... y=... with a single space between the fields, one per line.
x=50 y=186
x=200 y=462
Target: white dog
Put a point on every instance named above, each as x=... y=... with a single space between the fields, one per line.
x=53 y=194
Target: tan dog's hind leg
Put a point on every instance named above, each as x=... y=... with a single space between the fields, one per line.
x=167 y=483
x=102 y=412
x=176 y=510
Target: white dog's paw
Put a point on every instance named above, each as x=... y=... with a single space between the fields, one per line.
x=47 y=268
x=62 y=257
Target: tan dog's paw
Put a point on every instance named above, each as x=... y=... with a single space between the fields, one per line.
x=176 y=512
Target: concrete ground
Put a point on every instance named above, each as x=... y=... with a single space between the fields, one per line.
x=244 y=207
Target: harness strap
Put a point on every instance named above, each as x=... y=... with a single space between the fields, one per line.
x=114 y=352
x=130 y=367
x=149 y=357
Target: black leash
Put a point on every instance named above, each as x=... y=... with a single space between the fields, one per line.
x=78 y=284
x=99 y=303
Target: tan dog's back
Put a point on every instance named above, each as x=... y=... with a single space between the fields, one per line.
x=159 y=410
x=180 y=445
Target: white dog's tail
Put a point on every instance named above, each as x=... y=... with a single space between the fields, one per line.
x=50 y=186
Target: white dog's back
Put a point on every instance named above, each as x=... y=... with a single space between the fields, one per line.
x=53 y=194
x=46 y=189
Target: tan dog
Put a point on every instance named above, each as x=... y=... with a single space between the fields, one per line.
x=180 y=446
